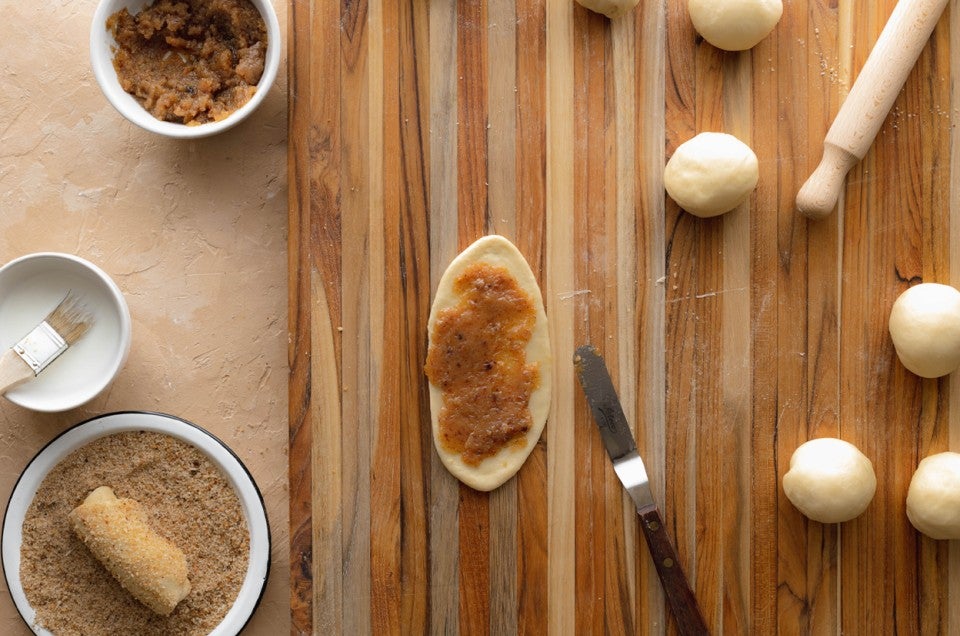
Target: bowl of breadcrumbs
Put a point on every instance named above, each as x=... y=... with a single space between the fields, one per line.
x=194 y=492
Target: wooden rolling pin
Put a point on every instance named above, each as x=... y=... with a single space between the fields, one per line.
x=869 y=101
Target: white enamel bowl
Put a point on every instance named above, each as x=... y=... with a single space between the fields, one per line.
x=82 y=434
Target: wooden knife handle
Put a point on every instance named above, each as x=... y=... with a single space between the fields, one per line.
x=873 y=93
x=677 y=590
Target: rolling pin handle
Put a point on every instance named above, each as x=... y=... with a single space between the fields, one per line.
x=818 y=196
x=865 y=108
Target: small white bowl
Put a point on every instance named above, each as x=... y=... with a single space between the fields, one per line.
x=101 y=56
x=251 y=501
x=30 y=287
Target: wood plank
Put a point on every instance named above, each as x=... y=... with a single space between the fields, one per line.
x=501 y=74
x=385 y=446
x=561 y=571
x=953 y=219
x=412 y=283
x=531 y=219
x=734 y=294
x=809 y=294
x=299 y=473
x=475 y=220
x=387 y=531
x=621 y=581
x=694 y=281
x=679 y=440
x=826 y=76
x=765 y=269
x=931 y=182
x=650 y=246
x=323 y=265
x=359 y=385
x=445 y=241
x=587 y=298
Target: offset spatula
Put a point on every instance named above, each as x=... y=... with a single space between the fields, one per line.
x=618 y=440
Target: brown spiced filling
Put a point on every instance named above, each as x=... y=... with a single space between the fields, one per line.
x=477 y=358
x=190 y=61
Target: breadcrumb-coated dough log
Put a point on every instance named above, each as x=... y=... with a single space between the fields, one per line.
x=147 y=565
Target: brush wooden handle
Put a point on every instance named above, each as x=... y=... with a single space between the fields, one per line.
x=873 y=93
x=13 y=371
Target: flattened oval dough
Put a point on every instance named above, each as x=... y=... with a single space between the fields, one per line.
x=493 y=471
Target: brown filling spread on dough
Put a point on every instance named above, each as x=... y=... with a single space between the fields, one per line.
x=190 y=61
x=477 y=358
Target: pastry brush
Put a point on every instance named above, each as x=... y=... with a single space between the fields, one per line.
x=60 y=330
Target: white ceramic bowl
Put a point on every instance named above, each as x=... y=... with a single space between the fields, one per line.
x=251 y=501
x=30 y=287
x=101 y=56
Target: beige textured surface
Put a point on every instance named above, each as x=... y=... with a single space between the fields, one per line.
x=194 y=233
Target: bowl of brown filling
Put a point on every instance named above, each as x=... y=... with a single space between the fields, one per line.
x=185 y=68
x=133 y=481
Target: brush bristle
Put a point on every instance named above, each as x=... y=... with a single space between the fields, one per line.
x=70 y=318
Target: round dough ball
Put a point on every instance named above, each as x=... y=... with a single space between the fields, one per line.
x=830 y=480
x=933 y=500
x=734 y=25
x=711 y=174
x=925 y=328
x=610 y=8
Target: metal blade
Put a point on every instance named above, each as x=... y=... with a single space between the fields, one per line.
x=614 y=431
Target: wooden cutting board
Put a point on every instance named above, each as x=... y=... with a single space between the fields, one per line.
x=418 y=126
